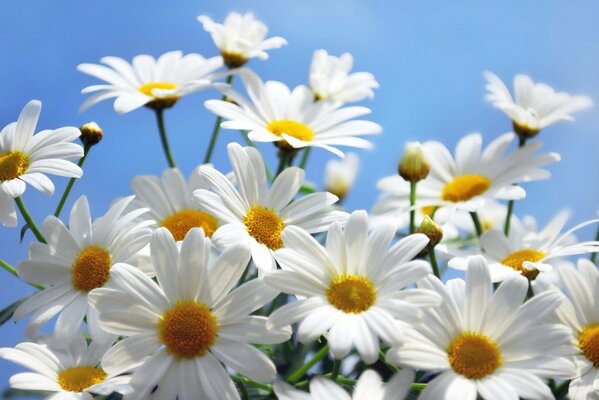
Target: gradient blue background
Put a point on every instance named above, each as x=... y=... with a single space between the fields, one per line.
x=427 y=56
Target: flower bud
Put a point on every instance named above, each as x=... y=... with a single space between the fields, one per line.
x=413 y=167
x=340 y=175
x=431 y=230
x=91 y=134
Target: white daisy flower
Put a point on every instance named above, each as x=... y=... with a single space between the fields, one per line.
x=274 y=113
x=71 y=372
x=475 y=174
x=257 y=215
x=171 y=202
x=528 y=253
x=535 y=105
x=240 y=38
x=491 y=216
x=26 y=158
x=155 y=83
x=75 y=261
x=369 y=387
x=487 y=344
x=340 y=175
x=330 y=79
x=181 y=331
x=350 y=289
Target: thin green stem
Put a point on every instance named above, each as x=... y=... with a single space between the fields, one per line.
x=336 y=369
x=412 y=203
x=382 y=358
x=510 y=204
x=216 y=129
x=6 y=266
x=30 y=222
x=283 y=160
x=477 y=225
x=301 y=371
x=305 y=156
x=67 y=190
x=164 y=138
x=434 y=264
x=250 y=382
x=594 y=255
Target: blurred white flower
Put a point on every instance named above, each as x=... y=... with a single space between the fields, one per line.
x=339 y=175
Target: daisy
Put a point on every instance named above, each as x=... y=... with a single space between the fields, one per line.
x=171 y=202
x=26 y=158
x=340 y=175
x=257 y=215
x=491 y=215
x=75 y=261
x=330 y=79
x=487 y=344
x=149 y=82
x=71 y=372
x=474 y=175
x=536 y=105
x=369 y=387
x=181 y=328
x=274 y=113
x=240 y=38
x=350 y=289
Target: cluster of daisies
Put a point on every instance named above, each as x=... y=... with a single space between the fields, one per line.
x=254 y=284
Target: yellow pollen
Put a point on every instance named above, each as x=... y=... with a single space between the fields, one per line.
x=91 y=268
x=473 y=355
x=182 y=221
x=12 y=165
x=265 y=226
x=148 y=88
x=351 y=293
x=188 y=329
x=291 y=128
x=588 y=341
x=465 y=187
x=516 y=261
x=77 y=379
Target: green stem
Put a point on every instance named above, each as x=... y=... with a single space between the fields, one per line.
x=382 y=358
x=594 y=255
x=301 y=371
x=433 y=257
x=67 y=190
x=336 y=368
x=412 y=203
x=164 y=138
x=216 y=129
x=283 y=160
x=30 y=222
x=477 y=225
x=305 y=156
x=247 y=381
x=6 y=266
x=510 y=204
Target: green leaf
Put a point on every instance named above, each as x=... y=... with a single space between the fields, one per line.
x=7 y=313
x=24 y=230
x=308 y=188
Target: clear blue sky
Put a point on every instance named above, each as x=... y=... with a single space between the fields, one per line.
x=427 y=56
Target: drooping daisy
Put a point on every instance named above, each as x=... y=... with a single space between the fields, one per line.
x=26 y=158
x=274 y=113
x=156 y=83
x=352 y=288
x=339 y=175
x=68 y=371
x=330 y=79
x=474 y=175
x=181 y=331
x=257 y=215
x=535 y=106
x=240 y=38
x=171 y=202
x=487 y=344
x=77 y=260
x=369 y=387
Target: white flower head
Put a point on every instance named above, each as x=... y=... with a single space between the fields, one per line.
x=146 y=81
x=535 y=105
x=340 y=175
x=240 y=38
x=369 y=387
x=291 y=118
x=257 y=215
x=181 y=328
x=26 y=158
x=487 y=344
x=75 y=261
x=330 y=79
x=70 y=371
x=352 y=287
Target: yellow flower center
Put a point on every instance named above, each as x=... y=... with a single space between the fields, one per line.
x=77 y=379
x=465 y=187
x=148 y=87
x=291 y=128
x=91 y=268
x=188 y=329
x=588 y=341
x=233 y=59
x=265 y=226
x=351 y=293
x=12 y=165
x=516 y=261
x=182 y=221
x=473 y=355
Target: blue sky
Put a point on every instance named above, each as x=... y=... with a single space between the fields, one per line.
x=427 y=56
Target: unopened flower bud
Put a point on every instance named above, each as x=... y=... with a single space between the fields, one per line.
x=431 y=230
x=341 y=174
x=413 y=167
x=91 y=134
